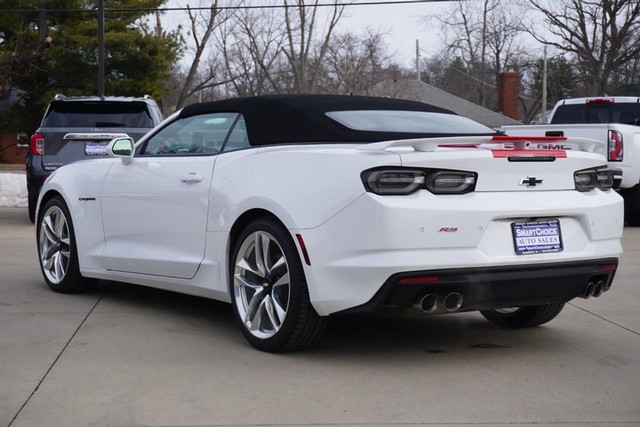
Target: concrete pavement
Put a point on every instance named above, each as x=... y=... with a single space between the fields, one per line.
x=123 y=355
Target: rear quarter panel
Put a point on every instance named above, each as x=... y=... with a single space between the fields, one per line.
x=303 y=186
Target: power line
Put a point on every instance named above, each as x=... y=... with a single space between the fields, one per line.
x=238 y=7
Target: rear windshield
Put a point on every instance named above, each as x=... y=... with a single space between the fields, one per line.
x=101 y=114
x=408 y=122
x=626 y=113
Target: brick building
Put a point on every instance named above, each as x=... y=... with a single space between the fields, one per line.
x=13 y=146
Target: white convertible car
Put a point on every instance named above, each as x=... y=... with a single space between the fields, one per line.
x=295 y=208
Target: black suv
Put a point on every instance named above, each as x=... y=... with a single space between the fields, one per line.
x=76 y=128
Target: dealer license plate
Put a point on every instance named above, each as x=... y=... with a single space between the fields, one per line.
x=96 y=148
x=537 y=237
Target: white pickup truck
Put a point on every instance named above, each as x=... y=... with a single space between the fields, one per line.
x=614 y=120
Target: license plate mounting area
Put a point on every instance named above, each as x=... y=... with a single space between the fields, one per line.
x=537 y=237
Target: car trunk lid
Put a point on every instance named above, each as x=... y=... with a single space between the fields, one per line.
x=501 y=163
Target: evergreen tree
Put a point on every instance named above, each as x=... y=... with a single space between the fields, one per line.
x=51 y=46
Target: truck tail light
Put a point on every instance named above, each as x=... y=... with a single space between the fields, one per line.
x=37 y=144
x=600 y=101
x=615 y=146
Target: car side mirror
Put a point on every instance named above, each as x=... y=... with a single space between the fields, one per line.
x=122 y=148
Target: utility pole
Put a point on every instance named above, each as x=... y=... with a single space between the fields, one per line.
x=418 y=77
x=101 y=48
x=544 y=85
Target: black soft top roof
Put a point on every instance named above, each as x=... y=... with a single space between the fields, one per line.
x=275 y=119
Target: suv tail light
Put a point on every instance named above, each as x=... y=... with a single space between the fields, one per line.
x=37 y=144
x=615 y=146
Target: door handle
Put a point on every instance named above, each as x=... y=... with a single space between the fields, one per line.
x=191 y=178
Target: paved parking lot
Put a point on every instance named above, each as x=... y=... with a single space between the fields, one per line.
x=124 y=355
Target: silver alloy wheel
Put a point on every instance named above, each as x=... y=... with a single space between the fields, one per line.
x=261 y=285
x=54 y=244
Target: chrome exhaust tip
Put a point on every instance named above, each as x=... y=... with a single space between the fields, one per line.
x=589 y=290
x=452 y=302
x=428 y=303
x=599 y=289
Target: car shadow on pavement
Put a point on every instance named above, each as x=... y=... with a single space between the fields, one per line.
x=348 y=336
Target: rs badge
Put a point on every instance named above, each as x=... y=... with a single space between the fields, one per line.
x=448 y=229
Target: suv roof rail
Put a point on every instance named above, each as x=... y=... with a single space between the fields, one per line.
x=59 y=96
x=147 y=96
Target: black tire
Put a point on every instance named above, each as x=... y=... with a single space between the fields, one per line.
x=524 y=317
x=270 y=298
x=632 y=205
x=32 y=201
x=57 y=251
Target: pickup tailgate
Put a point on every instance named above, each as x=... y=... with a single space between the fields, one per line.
x=597 y=131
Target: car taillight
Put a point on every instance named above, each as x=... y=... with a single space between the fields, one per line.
x=393 y=181
x=615 y=146
x=589 y=179
x=403 y=181
x=451 y=182
x=37 y=144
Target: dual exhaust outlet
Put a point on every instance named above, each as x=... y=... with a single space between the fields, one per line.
x=595 y=289
x=452 y=302
x=431 y=303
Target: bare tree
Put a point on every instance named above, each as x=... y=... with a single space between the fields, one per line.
x=202 y=24
x=484 y=38
x=280 y=49
x=603 y=36
x=355 y=63
x=288 y=48
x=251 y=46
x=304 y=52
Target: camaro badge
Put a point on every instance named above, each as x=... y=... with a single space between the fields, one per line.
x=530 y=181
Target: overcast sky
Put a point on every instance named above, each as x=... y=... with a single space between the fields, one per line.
x=400 y=21
x=403 y=23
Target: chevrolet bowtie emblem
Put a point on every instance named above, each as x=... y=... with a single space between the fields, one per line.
x=530 y=181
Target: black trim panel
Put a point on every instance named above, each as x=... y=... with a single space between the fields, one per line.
x=494 y=287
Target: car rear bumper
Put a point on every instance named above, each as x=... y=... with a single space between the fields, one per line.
x=494 y=287
x=356 y=254
x=36 y=175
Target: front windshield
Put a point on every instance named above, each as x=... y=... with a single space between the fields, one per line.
x=408 y=122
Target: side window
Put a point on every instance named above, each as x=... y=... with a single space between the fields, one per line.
x=203 y=134
x=238 y=138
